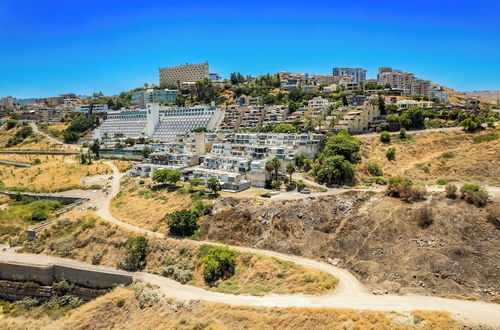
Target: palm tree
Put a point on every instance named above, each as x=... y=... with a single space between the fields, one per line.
x=320 y=121
x=273 y=165
x=309 y=124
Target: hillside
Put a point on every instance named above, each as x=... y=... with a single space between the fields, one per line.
x=377 y=238
x=491 y=96
x=454 y=156
x=142 y=308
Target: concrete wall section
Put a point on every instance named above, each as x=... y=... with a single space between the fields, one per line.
x=48 y=274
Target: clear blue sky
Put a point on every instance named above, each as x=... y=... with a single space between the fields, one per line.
x=51 y=47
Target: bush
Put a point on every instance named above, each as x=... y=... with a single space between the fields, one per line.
x=446 y=156
x=70 y=137
x=441 y=182
x=373 y=169
x=402 y=134
x=219 y=262
x=342 y=144
x=385 y=137
x=39 y=214
x=300 y=185
x=334 y=170
x=391 y=153
x=135 y=254
x=423 y=217
x=451 y=190
x=11 y=123
x=474 y=194
x=403 y=188
x=36 y=161
x=182 y=223
x=20 y=136
x=200 y=208
x=196 y=182
x=167 y=175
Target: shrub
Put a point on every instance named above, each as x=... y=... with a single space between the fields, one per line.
x=219 y=262
x=196 y=182
x=167 y=175
x=441 y=182
x=36 y=161
x=385 y=137
x=342 y=144
x=200 y=208
x=135 y=254
x=446 y=156
x=300 y=185
x=182 y=223
x=474 y=194
x=214 y=185
x=391 y=153
x=402 y=133
x=403 y=188
x=38 y=214
x=373 y=169
x=451 y=190
x=423 y=217
x=11 y=123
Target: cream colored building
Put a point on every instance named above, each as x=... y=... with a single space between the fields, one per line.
x=357 y=119
x=176 y=75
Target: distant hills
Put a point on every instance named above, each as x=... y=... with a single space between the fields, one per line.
x=492 y=96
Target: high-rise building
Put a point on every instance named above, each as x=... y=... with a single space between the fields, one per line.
x=396 y=79
x=421 y=87
x=359 y=74
x=141 y=98
x=176 y=75
x=8 y=103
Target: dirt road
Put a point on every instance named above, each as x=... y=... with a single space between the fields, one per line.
x=54 y=140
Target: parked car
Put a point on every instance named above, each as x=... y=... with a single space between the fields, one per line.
x=305 y=191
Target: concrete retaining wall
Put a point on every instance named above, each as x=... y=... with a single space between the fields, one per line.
x=38 y=152
x=65 y=200
x=48 y=274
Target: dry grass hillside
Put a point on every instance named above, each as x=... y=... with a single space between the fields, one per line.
x=140 y=205
x=426 y=157
x=34 y=142
x=378 y=238
x=141 y=308
x=53 y=173
x=84 y=237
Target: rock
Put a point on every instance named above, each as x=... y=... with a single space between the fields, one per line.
x=335 y=261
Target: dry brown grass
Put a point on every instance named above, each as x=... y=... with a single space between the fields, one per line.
x=123 y=166
x=254 y=274
x=37 y=142
x=421 y=157
x=139 y=205
x=137 y=313
x=55 y=173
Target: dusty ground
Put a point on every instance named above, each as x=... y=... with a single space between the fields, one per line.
x=54 y=173
x=421 y=157
x=143 y=309
x=86 y=238
x=377 y=238
x=139 y=205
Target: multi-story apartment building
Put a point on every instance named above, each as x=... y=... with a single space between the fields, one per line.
x=325 y=80
x=357 y=119
x=214 y=77
x=176 y=75
x=358 y=74
x=396 y=79
x=91 y=108
x=159 y=123
x=251 y=117
x=318 y=102
x=8 y=103
x=274 y=115
x=421 y=87
x=141 y=98
x=25 y=102
x=438 y=92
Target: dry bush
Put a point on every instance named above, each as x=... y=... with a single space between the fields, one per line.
x=423 y=216
x=451 y=191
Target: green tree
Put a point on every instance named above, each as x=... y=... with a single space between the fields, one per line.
x=290 y=169
x=214 y=185
x=342 y=144
x=182 y=223
x=70 y=137
x=136 y=251
x=96 y=148
x=335 y=170
x=146 y=152
x=273 y=165
x=130 y=141
x=218 y=263
x=167 y=175
x=284 y=128
x=385 y=137
x=309 y=124
x=402 y=134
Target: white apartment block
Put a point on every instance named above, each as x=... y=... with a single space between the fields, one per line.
x=159 y=124
x=176 y=75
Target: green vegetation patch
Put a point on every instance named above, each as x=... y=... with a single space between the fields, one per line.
x=485 y=137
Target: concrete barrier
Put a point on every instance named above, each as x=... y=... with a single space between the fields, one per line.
x=48 y=274
x=38 y=152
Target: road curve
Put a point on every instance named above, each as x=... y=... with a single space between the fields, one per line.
x=470 y=312
x=52 y=139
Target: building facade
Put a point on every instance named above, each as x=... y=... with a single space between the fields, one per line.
x=141 y=98
x=176 y=75
x=358 y=74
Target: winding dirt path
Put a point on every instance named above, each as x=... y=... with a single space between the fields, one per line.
x=350 y=293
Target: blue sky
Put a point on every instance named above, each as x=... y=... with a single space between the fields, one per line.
x=51 y=47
